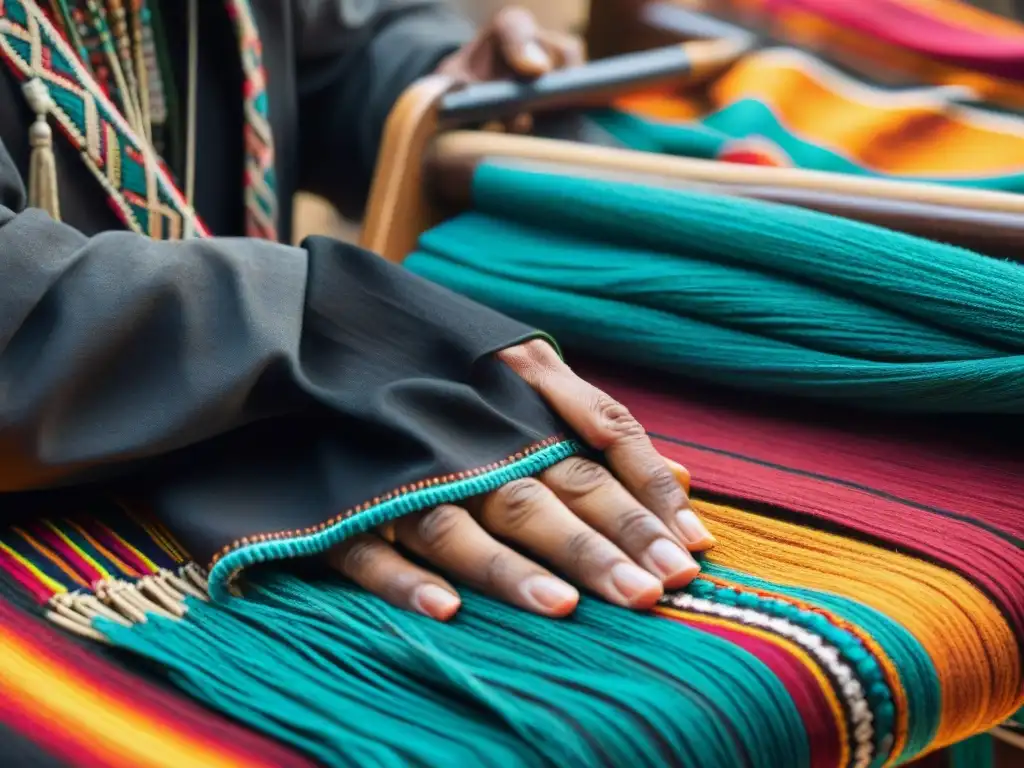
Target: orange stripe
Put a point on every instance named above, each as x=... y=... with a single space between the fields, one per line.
x=99 y=723
x=53 y=558
x=966 y=16
x=897 y=138
x=126 y=569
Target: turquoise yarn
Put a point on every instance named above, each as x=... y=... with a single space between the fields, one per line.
x=753 y=119
x=975 y=752
x=918 y=675
x=350 y=680
x=740 y=293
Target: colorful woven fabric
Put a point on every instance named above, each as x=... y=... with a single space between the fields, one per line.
x=860 y=608
x=786 y=107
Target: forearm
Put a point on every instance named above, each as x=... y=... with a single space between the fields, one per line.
x=346 y=95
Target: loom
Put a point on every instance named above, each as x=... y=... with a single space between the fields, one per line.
x=865 y=605
x=466 y=173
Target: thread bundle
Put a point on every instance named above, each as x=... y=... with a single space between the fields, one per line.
x=811 y=305
x=852 y=614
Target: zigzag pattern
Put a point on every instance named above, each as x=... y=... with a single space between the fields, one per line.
x=140 y=189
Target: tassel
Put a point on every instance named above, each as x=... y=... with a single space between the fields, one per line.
x=42 y=174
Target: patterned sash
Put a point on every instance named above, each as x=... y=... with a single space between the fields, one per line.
x=141 y=190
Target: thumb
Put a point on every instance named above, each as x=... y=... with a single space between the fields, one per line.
x=518 y=38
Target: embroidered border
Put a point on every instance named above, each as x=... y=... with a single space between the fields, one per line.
x=140 y=190
x=868 y=700
x=236 y=557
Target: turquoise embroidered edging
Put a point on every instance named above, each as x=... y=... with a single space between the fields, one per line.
x=225 y=569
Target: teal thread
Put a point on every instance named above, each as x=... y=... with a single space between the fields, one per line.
x=753 y=119
x=975 y=752
x=917 y=672
x=340 y=674
x=739 y=292
x=316 y=543
x=850 y=648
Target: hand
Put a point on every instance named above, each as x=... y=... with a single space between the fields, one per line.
x=512 y=46
x=626 y=539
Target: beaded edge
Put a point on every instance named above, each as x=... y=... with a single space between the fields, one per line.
x=870 y=742
x=227 y=565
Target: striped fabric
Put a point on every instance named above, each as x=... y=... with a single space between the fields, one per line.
x=868 y=109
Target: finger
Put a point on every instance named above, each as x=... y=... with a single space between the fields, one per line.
x=374 y=564
x=519 y=40
x=452 y=540
x=696 y=534
x=598 y=499
x=528 y=514
x=563 y=49
x=608 y=426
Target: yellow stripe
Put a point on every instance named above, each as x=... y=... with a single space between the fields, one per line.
x=892 y=673
x=121 y=564
x=53 y=586
x=149 y=563
x=100 y=723
x=896 y=134
x=52 y=557
x=103 y=571
x=835 y=706
x=969 y=641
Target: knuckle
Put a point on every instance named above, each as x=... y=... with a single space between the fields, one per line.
x=437 y=526
x=580 y=476
x=583 y=548
x=616 y=419
x=518 y=501
x=662 y=485
x=639 y=525
x=358 y=557
x=497 y=570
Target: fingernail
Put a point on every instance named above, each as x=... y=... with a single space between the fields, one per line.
x=671 y=562
x=550 y=594
x=694 y=531
x=436 y=602
x=536 y=56
x=635 y=584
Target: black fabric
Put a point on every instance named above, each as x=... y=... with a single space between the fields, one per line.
x=20 y=752
x=324 y=375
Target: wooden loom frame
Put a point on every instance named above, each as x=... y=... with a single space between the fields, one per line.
x=427 y=157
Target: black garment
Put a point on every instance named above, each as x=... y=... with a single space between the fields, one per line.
x=334 y=69
x=243 y=387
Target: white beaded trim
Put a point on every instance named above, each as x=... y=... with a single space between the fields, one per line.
x=826 y=655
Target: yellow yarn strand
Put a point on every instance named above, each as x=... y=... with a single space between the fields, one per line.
x=972 y=647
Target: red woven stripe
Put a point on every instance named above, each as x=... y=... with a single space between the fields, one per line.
x=803 y=688
x=177 y=713
x=705 y=429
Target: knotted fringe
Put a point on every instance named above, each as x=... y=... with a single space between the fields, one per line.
x=350 y=680
x=42 y=170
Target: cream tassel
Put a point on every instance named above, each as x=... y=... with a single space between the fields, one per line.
x=42 y=170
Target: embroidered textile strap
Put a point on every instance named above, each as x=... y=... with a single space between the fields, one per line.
x=260 y=183
x=142 y=192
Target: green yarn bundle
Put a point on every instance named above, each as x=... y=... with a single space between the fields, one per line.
x=351 y=680
x=738 y=292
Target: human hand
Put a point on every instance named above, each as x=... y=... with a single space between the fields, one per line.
x=512 y=45
x=623 y=536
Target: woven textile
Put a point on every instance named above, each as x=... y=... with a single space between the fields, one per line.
x=911 y=90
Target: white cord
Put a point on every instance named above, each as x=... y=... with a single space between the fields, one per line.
x=190 y=131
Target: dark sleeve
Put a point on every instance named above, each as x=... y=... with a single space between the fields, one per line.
x=246 y=389
x=352 y=68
